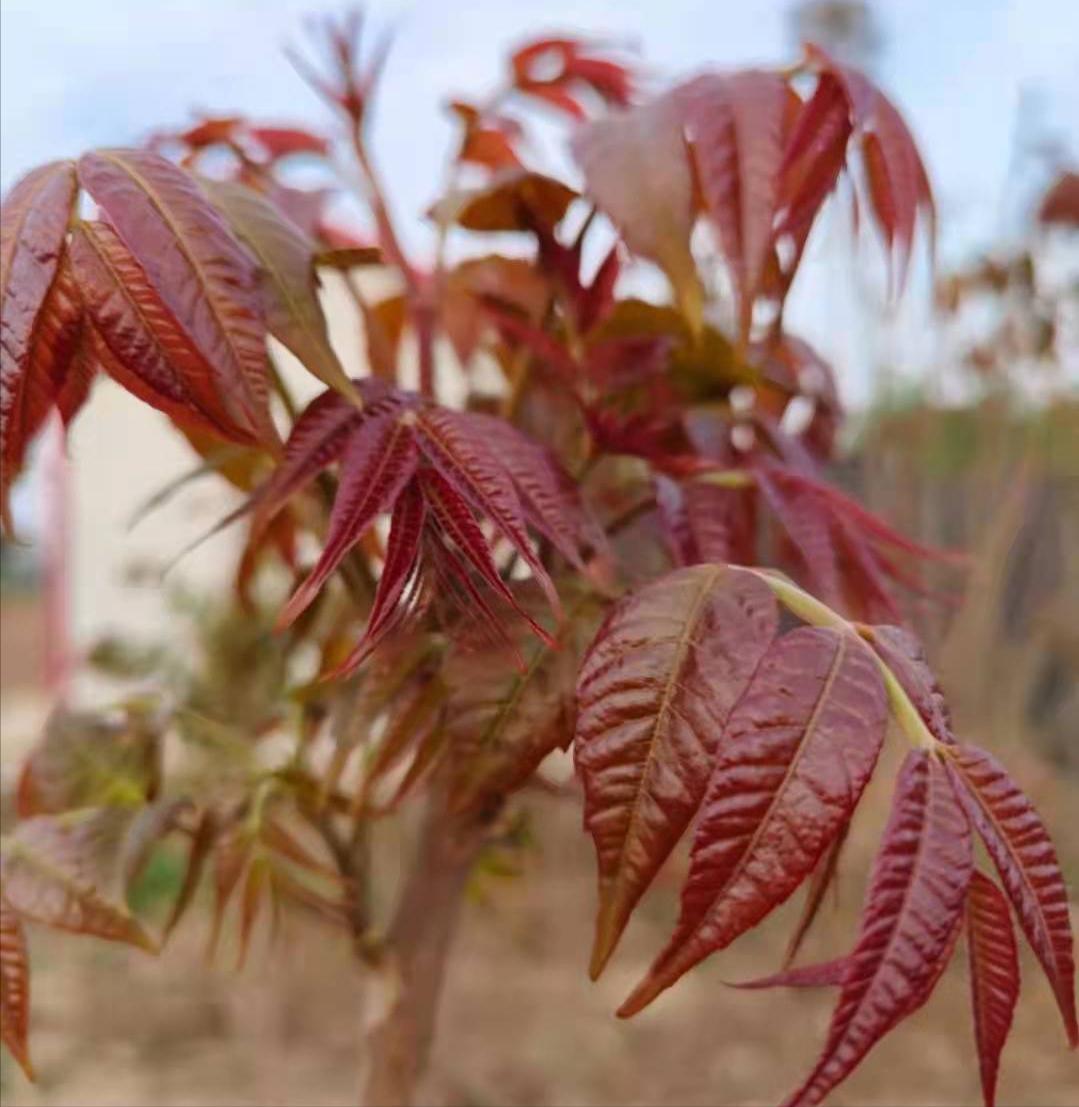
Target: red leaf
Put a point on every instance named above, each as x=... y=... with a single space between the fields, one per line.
x=66 y=871
x=736 y=128
x=653 y=695
x=994 y=975
x=318 y=438
x=815 y=155
x=138 y=342
x=379 y=460
x=33 y=226
x=796 y=752
x=827 y=974
x=550 y=498
x=637 y=170
x=14 y=988
x=398 y=572
x=454 y=519
x=822 y=879
x=463 y=456
x=280 y=142
x=806 y=520
x=1023 y=853
x=897 y=181
x=913 y=903
x=203 y=276
x=904 y=654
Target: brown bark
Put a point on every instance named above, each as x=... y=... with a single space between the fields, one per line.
x=403 y=993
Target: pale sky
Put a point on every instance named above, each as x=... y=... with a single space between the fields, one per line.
x=76 y=74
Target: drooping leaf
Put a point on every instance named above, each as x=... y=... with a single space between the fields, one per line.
x=736 y=124
x=636 y=168
x=203 y=277
x=202 y=842
x=896 y=178
x=398 y=574
x=796 y=752
x=909 y=920
x=378 y=462
x=34 y=222
x=290 y=289
x=138 y=342
x=86 y=760
x=549 y=497
x=653 y=696
x=14 y=988
x=66 y=871
x=472 y=465
x=994 y=975
x=1023 y=853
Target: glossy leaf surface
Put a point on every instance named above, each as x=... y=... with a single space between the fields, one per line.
x=654 y=693
x=915 y=897
x=994 y=975
x=796 y=752
x=1024 y=855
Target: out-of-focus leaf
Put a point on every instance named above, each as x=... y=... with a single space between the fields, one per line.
x=653 y=696
x=86 y=760
x=514 y=200
x=34 y=222
x=914 y=901
x=65 y=871
x=290 y=289
x=501 y=722
x=994 y=975
x=796 y=752
x=14 y=988
x=637 y=170
x=1023 y=853
x=736 y=125
x=202 y=276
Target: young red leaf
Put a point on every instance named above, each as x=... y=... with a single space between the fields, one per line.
x=398 y=573
x=994 y=975
x=909 y=920
x=378 y=462
x=653 y=696
x=550 y=498
x=814 y=158
x=806 y=520
x=736 y=126
x=14 y=988
x=203 y=276
x=1023 y=853
x=823 y=878
x=287 y=273
x=34 y=222
x=453 y=517
x=461 y=452
x=637 y=170
x=797 y=750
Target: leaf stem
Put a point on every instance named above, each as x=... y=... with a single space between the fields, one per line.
x=810 y=610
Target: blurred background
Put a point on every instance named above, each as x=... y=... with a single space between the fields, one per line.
x=967 y=392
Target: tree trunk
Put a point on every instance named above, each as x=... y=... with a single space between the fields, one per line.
x=403 y=993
